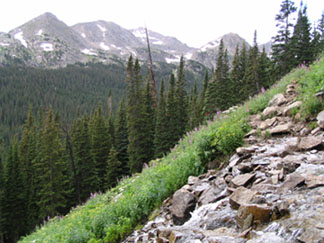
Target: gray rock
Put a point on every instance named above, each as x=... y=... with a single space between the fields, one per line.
x=268 y=123
x=320 y=119
x=270 y=111
x=183 y=202
x=277 y=100
x=241 y=196
x=242 y=180
x=211 y=195
x=288 y=109
x=291 y=182
x=260 y=214
x=310 y=142
x=280 y=129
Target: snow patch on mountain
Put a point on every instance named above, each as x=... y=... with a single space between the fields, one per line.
x=103 y=29
x=89 y=52
x=173 y=60
x=47 y=46
x=83 y=35
x=188 y=56
x=4 y=44
x=104 y=46
x=40 y=32
x=210 y=45
x=20 y=36
x=139 y=33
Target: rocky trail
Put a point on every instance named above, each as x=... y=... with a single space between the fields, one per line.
x=271 y=190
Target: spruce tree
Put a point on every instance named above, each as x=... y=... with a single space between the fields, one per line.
x=161 y=143
x=100 y=145
x=121 y=137
x=251 y=80
x=210 y=108
x=148 y=123
x=172 y=113
x=194 y=112
x=236 y=76
x=222 y=80
x=27 y=152
x=51 y=166
x=203 y=97
x=13 y=203
x=301 y=47
x=135 y=120
x=114 y=169
x=264 y=70
x=86 y=171
x=1 y=200
x=181 y=100
x=281 y=50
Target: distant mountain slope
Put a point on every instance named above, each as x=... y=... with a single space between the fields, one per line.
x=208 y=53
x=48 y=42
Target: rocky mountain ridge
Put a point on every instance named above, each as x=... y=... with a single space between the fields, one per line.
x=269 y=191
x=46 y=41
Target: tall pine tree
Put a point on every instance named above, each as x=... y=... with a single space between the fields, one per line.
x=281 y=50
x=161 y=143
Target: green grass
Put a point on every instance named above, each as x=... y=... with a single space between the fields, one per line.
x=111 y=216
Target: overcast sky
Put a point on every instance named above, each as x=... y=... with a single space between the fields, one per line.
x=192 y=22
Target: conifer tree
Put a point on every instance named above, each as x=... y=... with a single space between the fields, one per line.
x=13 y=203
x=121 y=137
x=100 y=145
x=281 y=50
x=181 y=100
x=135 y=119
x=251 y=80
x=85 y=167
x=203 y=97
x=301 y=47
x=194 y=112
x=210 y=108
x=172 y=113
x=222 y=81
x=114 y=169
x=27 y=152
x=148 y=123
x=236 y=76
x=51 y=166
x=161 y=144
x=1 y=200
x=264 y=67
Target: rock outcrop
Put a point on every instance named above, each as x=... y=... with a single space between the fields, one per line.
x=271 y=190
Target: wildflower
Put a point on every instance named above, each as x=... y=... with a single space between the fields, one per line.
x=262 y=90
x=146 y=166
x=247 y=110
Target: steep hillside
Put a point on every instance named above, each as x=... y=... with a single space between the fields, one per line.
x=113 y=215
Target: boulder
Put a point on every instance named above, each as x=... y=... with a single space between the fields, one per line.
x=310 y=142
x=291 y=182
x=270 y=111
x=260 y=214
x=241 y=196
x=211 y=195
x=268 y=123
x=320 y=119
x=183 y=202
x=279 y=129
x=288 y=109
x=313 y=181
x=277 y=100
x=242 y=180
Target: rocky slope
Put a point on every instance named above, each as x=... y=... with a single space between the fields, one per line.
x=269 y=191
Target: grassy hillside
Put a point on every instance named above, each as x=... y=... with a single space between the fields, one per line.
x=109 y=217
